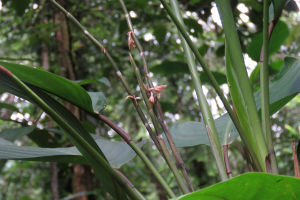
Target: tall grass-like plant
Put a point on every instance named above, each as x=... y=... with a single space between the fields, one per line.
x=37 y=86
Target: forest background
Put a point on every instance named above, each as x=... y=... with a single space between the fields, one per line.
x=34 y=33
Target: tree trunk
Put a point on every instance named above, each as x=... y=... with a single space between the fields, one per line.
x=82 y=177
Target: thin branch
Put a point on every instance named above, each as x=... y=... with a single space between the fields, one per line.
x=138 y=151
x=296 y=163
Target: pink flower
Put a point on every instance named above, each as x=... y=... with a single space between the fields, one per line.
x=158 y=89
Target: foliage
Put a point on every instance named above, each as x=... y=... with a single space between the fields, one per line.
x=28 y=27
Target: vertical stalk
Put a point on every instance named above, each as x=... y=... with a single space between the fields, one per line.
x=157 y=107
x=214 y=83
x=264 y=85
x=217 y=156
x=243 y=98
x=173 y=168
x=204 y=107
x=152 y=115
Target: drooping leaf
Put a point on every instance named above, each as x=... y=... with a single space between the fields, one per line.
x=16 y=133
x=103 y=80
x=168 y=68
x=250 y=186
x=276 y=8
x=12 y=135
x=187 y=134
x=9 y=83
x=56 y=85
x=98 y=100
x=279 y=35
x=117 y=153
x=283 y=88
x=8 y=106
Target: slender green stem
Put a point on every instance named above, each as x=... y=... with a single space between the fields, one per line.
x=244 y=100
x=152 y=115
x=82 y=142
x=141 y=154
x=200 y=59
x=173 y=168
x=217 y=156
x=264 y=85
x=157 y=107
x=138 y=151
x=204 y=107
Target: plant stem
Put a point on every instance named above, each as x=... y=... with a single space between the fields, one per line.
x=264 y=85
x=115 y=67
x=243 y=98
x=217 y=156
x=204 y=107
x=235 y=120
x=152 y=115
x=81 y=141
x=157 y=106
x=173 y=168
x=139 y=152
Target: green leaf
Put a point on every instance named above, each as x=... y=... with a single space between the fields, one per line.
x=56 y=85
x=279 y=35
x=250 y=186
x=117 y=153
x=20 y=6
x=283 y=88
x=103 y=80
x=254 y=75
x=16 y=133
x=168 y=68
x=9 y=107
x=187 y=134
x=193 y=24
x=9 y=83
x=276 y=8
x=98 y=101
x=160 y=33
x=12 y=135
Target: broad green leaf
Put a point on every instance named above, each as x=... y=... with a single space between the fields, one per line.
x=7 y=83
x=12 y=135
x=16 y=133
x=98 y=100
x=56 y=85
x=9 y=107
x=168 y=68
x=283 y=88
x=187 y=134
x=117 y=153
x=250 y=186
x=103 y=80
x=276 y=8
x=279 y=35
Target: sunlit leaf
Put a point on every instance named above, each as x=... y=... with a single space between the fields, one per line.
x=250 y=186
